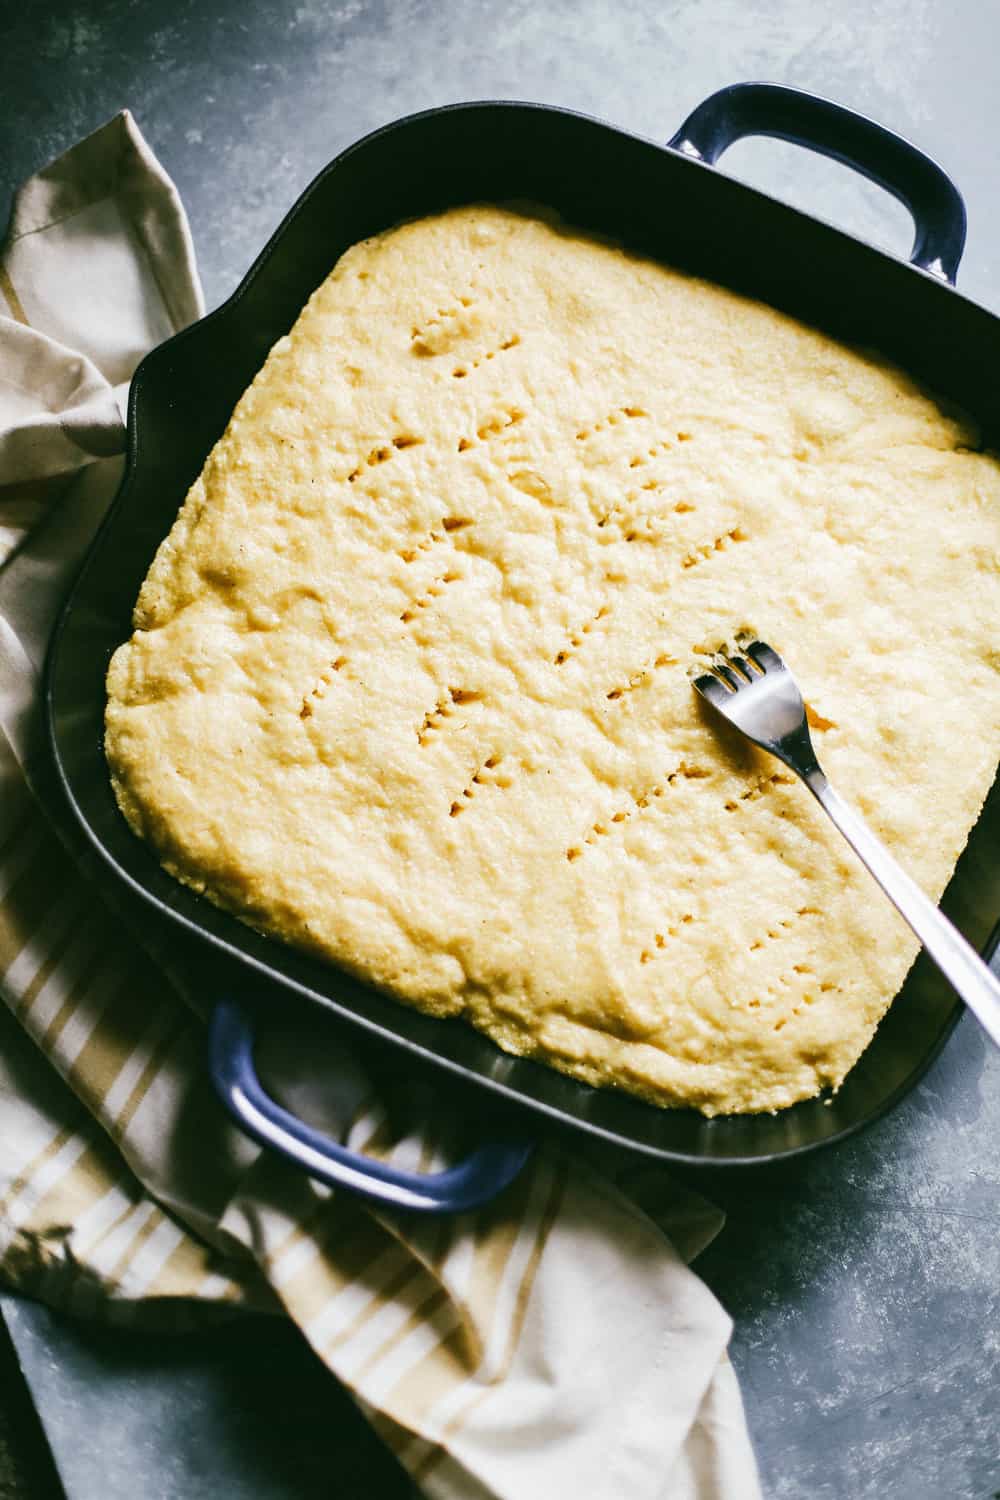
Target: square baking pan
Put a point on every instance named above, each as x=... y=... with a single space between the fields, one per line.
x=665 y=201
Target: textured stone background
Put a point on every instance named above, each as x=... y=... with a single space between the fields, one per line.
x=865 y=1283
x=244 y=103
x=26 y=1471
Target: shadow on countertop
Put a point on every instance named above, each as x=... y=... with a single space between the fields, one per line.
x=242 y=1410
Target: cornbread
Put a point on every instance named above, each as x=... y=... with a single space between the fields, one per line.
x=408 y=685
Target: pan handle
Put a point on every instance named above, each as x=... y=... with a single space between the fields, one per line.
x=472 y=1182
x=805 y=119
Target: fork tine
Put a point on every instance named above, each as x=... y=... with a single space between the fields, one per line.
x=722 y=669
x=764 y=656
x=711 y=689
x=741 y=664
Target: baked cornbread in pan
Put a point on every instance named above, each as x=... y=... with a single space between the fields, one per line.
x=408 y=685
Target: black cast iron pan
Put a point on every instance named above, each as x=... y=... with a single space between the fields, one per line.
x=665 y=201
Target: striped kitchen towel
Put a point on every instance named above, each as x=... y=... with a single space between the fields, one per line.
x=555 y=1340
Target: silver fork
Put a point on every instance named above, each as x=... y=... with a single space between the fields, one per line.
x=757 y=693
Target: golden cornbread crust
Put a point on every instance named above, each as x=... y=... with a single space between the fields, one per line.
x=408 y=685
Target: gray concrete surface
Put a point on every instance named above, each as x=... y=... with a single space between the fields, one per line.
x=241 y=1411
x=865 y=1283
x=26 y=1467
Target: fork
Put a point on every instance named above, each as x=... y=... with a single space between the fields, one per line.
x=758 y=695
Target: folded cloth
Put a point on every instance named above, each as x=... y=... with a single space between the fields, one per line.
x=555 y=1340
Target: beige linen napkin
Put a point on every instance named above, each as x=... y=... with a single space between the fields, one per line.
x=555 y=1341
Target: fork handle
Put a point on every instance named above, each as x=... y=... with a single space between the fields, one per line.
x=958 y=961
